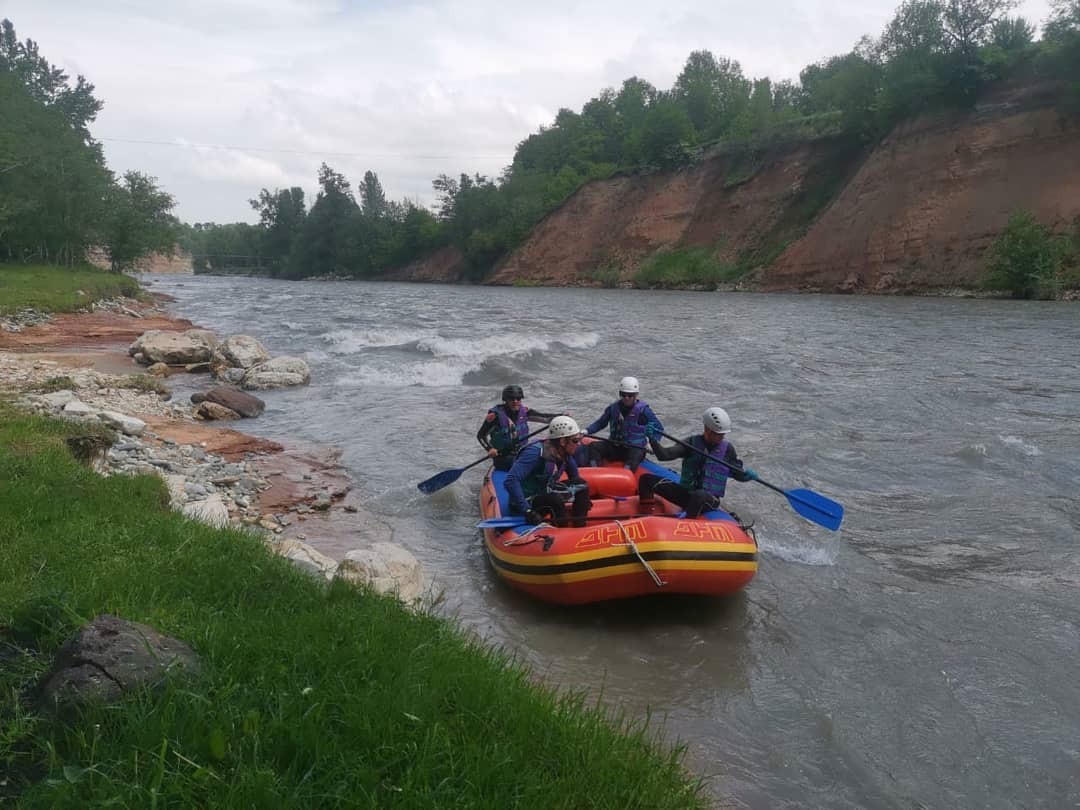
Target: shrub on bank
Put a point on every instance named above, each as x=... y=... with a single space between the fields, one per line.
x=1029 y=261
x=310 y=695
x=50 y=288
x=685 y=267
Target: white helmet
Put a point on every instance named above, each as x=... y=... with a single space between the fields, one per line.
x=717 y=420
x=562 y=427
x=629 y=385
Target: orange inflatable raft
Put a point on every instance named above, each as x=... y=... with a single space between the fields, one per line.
x=620 y=552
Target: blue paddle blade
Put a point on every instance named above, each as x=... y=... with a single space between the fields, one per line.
x=437 y=482
x=501 y=523
x=816 y=507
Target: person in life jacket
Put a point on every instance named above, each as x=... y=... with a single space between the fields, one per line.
x=505 y=427
x=534 y=479
x=703 y=480
x=631 y=424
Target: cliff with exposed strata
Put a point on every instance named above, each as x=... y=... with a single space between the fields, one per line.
x=914 y=214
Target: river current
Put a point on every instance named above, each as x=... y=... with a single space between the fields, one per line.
x=926 y=655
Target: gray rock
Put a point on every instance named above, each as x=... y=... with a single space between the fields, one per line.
x=128 y=425
x=280 y=372
x=173 y=348
x=212 y=411
x=238 y=351
x=244 y=404
x=111 y=656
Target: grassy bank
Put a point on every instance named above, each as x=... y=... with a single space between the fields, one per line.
x=49 y=288
x=310 y=696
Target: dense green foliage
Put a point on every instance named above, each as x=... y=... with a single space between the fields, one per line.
x=1030 y=261
x=48 y=288
x=932 y=54
x=310 y=696
x=57 y=197
x=685 y=268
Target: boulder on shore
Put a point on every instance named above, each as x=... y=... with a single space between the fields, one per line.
x=280 y=372
x=244 y=404
x=173 y=348
x=237 y=351
x=211 y=411
x=386 y=568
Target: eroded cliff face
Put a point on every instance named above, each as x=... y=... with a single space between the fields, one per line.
x=915 y=214
x=611 y=226
x=922 y=210
x=177 y=262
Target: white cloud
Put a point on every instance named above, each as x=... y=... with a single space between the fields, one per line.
x=408 y=90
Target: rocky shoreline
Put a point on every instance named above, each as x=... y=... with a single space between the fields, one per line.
x=298 y=498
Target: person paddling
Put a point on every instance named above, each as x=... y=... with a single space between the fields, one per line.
x=506 y=426
x=533 y=481
x=704 y=479
x=631 y=422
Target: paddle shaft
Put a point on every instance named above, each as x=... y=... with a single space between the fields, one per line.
x=447 y=477
x=811 y=505
x=693 y=449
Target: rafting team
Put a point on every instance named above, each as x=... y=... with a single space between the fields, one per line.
x=534 y=470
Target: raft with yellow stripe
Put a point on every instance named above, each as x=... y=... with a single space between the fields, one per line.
x=619 y=553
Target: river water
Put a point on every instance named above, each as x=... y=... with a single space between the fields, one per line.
x=924 y=656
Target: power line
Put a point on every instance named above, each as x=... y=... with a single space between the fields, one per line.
x=301 y=151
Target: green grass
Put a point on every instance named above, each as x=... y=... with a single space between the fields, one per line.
x=685 y=267
x=61 y=383
x=310 y=695
x=49 y=288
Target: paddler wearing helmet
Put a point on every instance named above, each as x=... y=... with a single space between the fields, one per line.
x=704 y=475
x=534 y=481
x=506 y=426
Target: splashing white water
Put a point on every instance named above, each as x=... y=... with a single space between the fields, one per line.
x=508 y=344
x=351 y=341
x=433 y=374
x=805 y=555
x=1016 y=443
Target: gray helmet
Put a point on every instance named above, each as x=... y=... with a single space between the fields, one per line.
x=717 y=420
x=512 y=392
x=563 y=427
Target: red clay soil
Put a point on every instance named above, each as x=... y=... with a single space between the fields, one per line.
x=719 y=204
x=444 y=266
x=225 y=442
x=922 y=210
x=83 y=330
x=917 y=216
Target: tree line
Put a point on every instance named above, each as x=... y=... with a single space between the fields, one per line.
x=58 y=199
x=932 y=54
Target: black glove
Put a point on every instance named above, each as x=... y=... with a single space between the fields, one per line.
x=533 y=517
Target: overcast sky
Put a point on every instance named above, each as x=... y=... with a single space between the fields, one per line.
x=408 y=90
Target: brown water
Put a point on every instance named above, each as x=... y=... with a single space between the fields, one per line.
x=924 y=656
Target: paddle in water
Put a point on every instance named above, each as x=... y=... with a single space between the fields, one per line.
x=447 y=477
x=811 y=505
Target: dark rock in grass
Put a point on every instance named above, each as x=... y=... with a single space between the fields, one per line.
x=244 y=404
x=90 y=448
x=111 y=656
